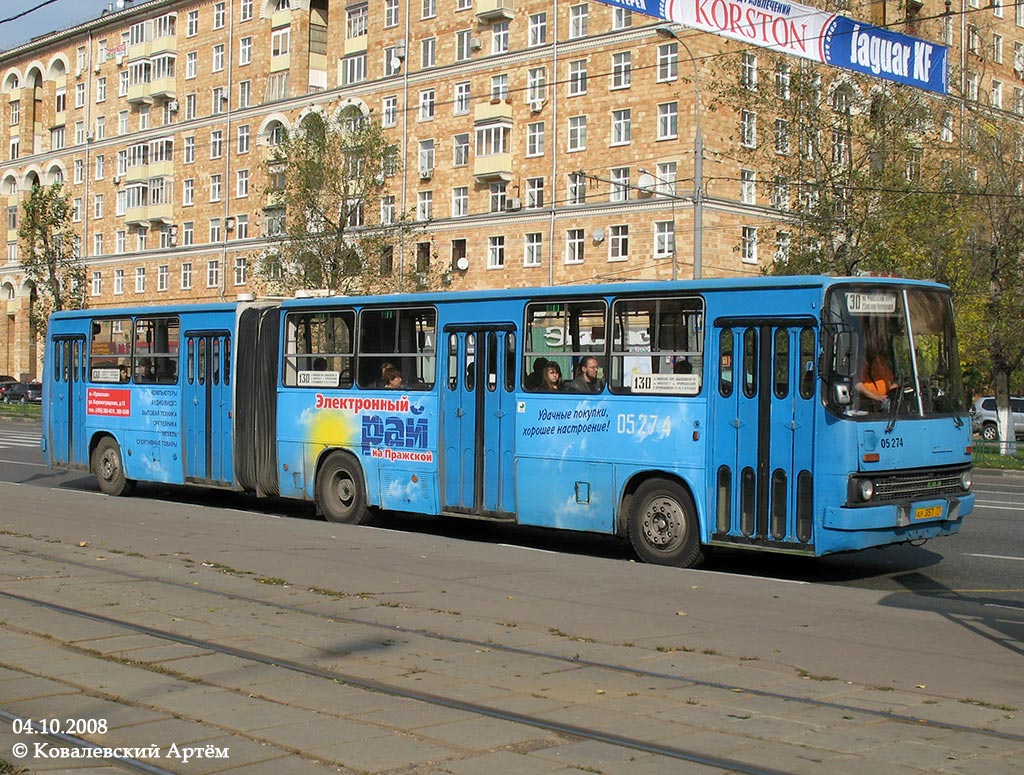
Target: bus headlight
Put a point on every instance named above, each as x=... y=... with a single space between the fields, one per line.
x=865 y=489
x=966 y=479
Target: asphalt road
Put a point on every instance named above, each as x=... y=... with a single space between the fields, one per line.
x=982 y=565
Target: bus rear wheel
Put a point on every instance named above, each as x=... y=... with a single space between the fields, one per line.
x=663 y=525
x=340 y=493
x=109 y=469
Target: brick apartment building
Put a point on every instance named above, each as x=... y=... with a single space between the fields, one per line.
x=545 y=143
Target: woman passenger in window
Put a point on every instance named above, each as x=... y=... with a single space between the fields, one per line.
x=551 y=380
x=392 y=378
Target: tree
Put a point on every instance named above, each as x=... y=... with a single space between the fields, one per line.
x=49 y=256
x=334 y=225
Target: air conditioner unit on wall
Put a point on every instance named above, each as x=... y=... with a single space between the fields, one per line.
x=476 y=44
x=513 y=203
x=536 y=105
x=173 y=106
x=426 y=174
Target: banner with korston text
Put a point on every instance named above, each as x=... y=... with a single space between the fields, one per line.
x=812 y=34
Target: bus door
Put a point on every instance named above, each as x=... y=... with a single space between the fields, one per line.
x=478 y=420
x=207 y=407
x=66 y=440
x=763 y=418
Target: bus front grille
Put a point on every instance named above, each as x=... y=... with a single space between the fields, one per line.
x=917 y=486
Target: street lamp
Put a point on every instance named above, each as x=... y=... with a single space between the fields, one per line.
x=645 y=186
x=666 y=31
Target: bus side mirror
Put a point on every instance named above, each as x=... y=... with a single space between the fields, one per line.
x=842 y=394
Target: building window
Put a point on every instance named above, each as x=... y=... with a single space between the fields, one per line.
x=215 y=187
x=218 y=57
x=163 y=275
x=535 y=139
x=618 y=242
x=668 y=62
x=118 y=281
x=280 y=41
x=389 y=111
x=216 y=143
x=243 y=138
x=461 y=104
x=188 y=191
x=748 y=71
x=577 y=188
x=424 y=205
x=213 y=272
x=460 y=150
x=426 y=112
x=241 y=184
x=622 y=70
x=463 y=45
x=499 y=197
x=97 y=206
x=668 y=121
x=664 y=239
x=577 y=133
x=188 y=233
x=533 y=248
x=499 y=38
x=241 y=270
x=496 y=252
x=622 y=126
x=460 y=201
x=140 y=279
x=535 y=192
x=426 y=158
x=97 y=283
x=574 y=244
x=192 y=24
x=428 y=53
x=245 y=50
x=499 y=87
x=355 y=23
x=245 y=13
x=537 y=32
x=578 y=78
x=749 y=247
x=618 y=189
x=429 y=9
x=244 y=94
x=390 y=13
x=748 y=187
x=536 y=84
x=354 y=69
x=579 y=17
x=748 y=129
x=97 y=244
x=186 y=276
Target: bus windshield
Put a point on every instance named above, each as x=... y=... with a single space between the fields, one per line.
x=892 y=353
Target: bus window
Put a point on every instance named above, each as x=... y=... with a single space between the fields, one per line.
x=191 y=360
x=110 y=352
x=780 y=368
x=750 y=362
x=806 y=362
x=156 y=350
x=725 y=353
x=510 y=362
x=227 y=360
x=453 y=361
x=657 y=336
x=318 y=349
x=492 y=361
x=404 y=337
x=564 y=332
x=215 y=359
x=470 y=362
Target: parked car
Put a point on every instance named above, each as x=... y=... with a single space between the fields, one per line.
x=5 y=382
x=983 y=417
x=24 y=393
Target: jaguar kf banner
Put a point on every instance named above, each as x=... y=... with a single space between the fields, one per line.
x=810 y=33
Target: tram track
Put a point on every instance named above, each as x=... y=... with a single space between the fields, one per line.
x=393 y=690
x=575 y=660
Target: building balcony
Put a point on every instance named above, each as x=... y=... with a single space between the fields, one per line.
x=137 y=173
x=162 y=88
x=493 y=168
x=137 y=216
x=495 y=110
x=161 y=169
x=489 y=11
x=161 y=213
x=357 y=45
x=280 y=62
x=137 y=51
x=139 y=94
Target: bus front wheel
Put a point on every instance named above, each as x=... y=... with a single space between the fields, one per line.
x=340 y=493
x=663 y=525
x=109 y=469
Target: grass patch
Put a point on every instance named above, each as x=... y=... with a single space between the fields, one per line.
x=987 y=455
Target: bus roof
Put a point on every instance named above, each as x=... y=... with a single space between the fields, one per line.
x=553 y=292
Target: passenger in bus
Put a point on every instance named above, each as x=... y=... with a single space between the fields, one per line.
x=385 y=367
x=586 y=380
x=392 y=378
x=320 y=364
x=124 y=373
x=876 y=379
x=682 y=366
x=552 y=381
x=535 y=379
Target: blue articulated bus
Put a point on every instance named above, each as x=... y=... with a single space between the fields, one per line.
x=725 y=412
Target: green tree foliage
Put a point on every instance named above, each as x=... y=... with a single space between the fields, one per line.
x=48 y=252
x=328 y=180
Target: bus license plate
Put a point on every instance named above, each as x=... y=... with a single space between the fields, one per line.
x=928 y=512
